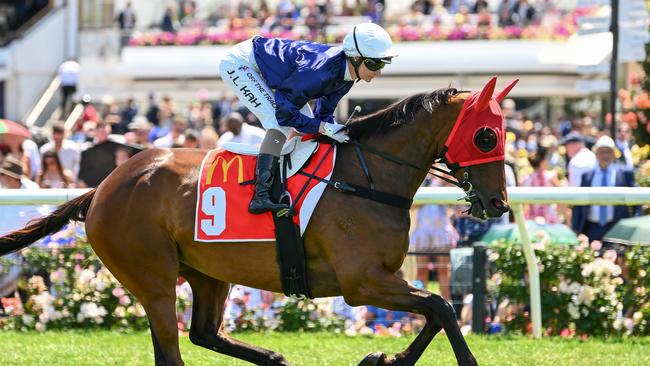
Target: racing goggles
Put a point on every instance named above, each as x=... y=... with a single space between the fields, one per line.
x=374 y=64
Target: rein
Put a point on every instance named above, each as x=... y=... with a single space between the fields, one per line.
x=383 y=197
x=465 y=184
x=373 y=194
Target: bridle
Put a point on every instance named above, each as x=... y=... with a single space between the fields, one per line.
x=487 y=145
x=371 y=193
x=471 y=195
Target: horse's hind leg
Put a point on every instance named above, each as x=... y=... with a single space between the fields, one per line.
x=209 y=298
x=146 y=263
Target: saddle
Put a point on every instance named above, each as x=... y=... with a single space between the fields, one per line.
x=225 y=187
x=295 y=152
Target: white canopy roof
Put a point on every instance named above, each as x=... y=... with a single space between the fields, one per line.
x=416 y=58
x=545 y=68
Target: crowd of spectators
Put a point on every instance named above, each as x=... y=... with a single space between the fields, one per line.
x=570 y=152
x=322 y=21
x=53 y=158
x=537 y=154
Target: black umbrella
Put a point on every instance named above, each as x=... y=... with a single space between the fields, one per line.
x=98 y=161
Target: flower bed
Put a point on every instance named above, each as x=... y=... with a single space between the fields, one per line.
x=215 y=36
x=81 y=293
x=66 y=287
x=583 y=294
x=555 y=25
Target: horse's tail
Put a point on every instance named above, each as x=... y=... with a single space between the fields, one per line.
x=75 y=209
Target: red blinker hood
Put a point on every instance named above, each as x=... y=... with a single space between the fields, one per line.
x=480 y=110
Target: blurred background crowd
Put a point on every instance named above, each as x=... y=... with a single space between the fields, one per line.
x=186 y=24
x=89 y=135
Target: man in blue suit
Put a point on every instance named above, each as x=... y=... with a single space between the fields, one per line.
x=595 y=221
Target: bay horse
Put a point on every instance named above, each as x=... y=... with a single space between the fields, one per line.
x=140 y=223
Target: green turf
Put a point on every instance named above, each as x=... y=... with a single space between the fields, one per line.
x=110 y=348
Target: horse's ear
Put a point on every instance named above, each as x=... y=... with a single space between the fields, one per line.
x=503 y=93
x=486 y=95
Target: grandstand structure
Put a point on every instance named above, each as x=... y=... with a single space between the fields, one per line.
x=551 y=68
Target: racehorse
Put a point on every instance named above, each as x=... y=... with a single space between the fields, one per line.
x=140 y=223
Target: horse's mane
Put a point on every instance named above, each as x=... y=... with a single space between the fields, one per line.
x=401 y=112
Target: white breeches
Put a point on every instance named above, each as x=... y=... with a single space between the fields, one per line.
x=240 y=73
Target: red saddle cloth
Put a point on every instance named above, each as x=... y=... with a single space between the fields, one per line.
x=222 y=201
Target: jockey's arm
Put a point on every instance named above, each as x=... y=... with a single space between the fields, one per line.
x=324 y=106
x=290 y=97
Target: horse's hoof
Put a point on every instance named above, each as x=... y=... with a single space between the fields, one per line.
x=277 y=359
x=374 y=359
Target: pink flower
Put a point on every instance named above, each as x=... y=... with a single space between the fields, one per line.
x=566 y=333
x=124 y=300
x=118 y=292
x=596 y=245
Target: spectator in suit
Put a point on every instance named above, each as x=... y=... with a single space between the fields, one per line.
x=152 y=112
x=523 y=13
x=126 y=21
x=595 y=221
x=169 y=21
x=127 y=114
x=623 y=136
x=126 y=18
x=480 y=5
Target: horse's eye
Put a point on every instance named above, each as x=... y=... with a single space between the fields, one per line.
x=485 y=139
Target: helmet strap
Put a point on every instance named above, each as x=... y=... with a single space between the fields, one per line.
x=356 y=62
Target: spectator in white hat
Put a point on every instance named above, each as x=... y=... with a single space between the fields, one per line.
x=11 y=175
x=595 y=221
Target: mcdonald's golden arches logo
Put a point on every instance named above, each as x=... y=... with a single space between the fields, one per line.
x=225 y=165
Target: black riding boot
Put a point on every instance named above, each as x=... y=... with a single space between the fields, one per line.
x=261 y=201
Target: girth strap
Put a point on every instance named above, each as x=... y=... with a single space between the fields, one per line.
x=290 y=252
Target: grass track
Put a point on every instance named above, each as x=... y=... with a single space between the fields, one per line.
x=111 y=348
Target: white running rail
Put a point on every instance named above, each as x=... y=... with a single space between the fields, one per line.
x=517 y=197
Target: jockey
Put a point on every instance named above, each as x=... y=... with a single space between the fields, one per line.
x=276 y=78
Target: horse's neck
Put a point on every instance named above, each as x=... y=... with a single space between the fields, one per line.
x=416 y=143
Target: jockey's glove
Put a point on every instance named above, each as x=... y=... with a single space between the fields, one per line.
x=336 y=131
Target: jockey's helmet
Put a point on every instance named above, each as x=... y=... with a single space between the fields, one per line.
x=369 y=40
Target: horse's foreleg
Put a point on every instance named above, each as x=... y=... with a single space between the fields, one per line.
x=209 y=297
x=385 y=290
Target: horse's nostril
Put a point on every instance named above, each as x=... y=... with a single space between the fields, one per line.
x=500 y=205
